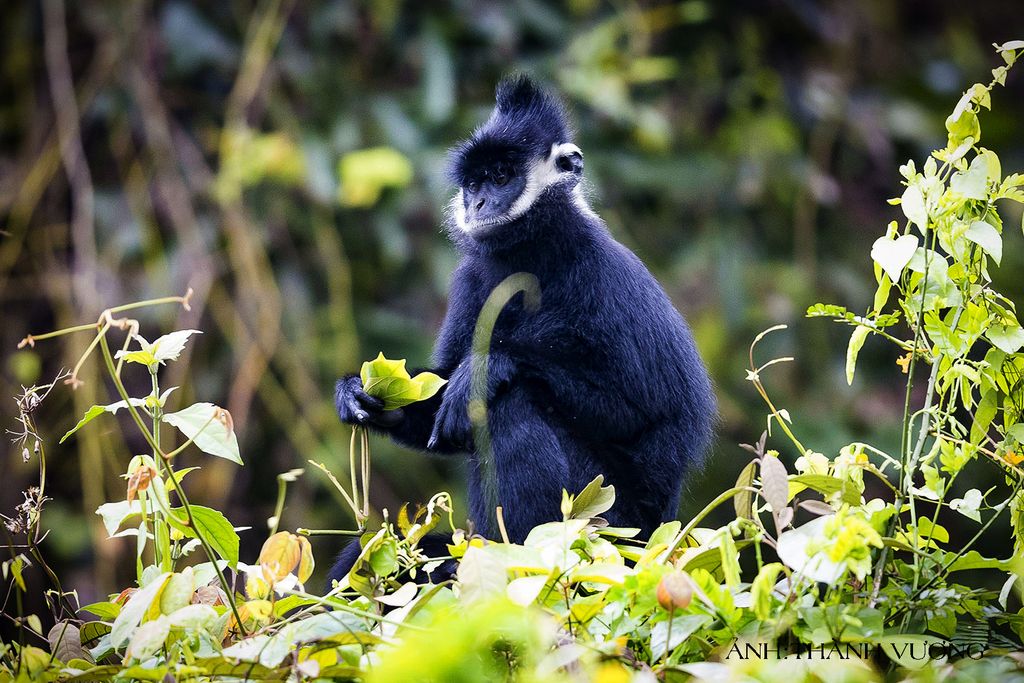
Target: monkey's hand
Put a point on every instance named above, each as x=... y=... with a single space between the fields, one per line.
x=451 y=424
x=357 y=407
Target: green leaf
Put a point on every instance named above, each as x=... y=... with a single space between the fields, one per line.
x=905 y=649
x=743 y=501
x=215 y=528
x=972 y=559
x=762 y=588
x=429 y=383
x=178 y=591
x=945 y=339
x=893 y=255
x=829 y=311
x=853 y=349
x=195 y=616
x=593 y=500
x=366 y=173
x=986 y=237
x=1007 y=338
x=664 y=534
x=1016 y=432
x=210 y=427
x=983 y=415
x=825 y=485
x=382 y=367
x=98 y=410
x=89 y=416
x=378 y=553
x=106 y=611
x=389 y=381
x=93 y=631
x=964 y=126
x=384 y=558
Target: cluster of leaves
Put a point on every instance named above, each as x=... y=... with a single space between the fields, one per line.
x=811 y=562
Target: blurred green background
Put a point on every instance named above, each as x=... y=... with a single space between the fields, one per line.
x=285 y=160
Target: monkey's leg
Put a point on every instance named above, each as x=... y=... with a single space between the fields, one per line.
x=529 y=465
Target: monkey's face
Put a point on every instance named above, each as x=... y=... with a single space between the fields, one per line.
x=500 y=191
x=490 y=192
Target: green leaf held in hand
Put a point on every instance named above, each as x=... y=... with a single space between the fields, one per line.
x=389 y=381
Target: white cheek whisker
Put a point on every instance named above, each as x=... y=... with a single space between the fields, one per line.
x=542 y=174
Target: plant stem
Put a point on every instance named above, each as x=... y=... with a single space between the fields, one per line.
x=228 y=590
x=282 y=487
x=692 y=524
x=356 y=510
x=161 y=532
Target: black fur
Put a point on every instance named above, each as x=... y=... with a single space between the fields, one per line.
x=603 y=378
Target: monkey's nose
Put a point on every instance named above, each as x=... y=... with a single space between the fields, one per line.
x=480 y=204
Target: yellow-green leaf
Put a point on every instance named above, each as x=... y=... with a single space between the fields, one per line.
x=389 y=381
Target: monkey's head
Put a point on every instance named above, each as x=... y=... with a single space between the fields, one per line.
x=521 y=152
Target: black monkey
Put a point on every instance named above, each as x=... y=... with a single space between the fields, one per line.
x=603 y=378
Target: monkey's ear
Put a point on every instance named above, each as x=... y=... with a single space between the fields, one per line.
x=568 y=157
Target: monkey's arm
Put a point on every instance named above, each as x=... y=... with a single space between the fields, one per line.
x=413 y=425
x=410 y=426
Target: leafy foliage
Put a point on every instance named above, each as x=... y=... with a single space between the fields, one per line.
x=810 y=559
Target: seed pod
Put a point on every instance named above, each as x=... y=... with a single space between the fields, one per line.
x=675 y=591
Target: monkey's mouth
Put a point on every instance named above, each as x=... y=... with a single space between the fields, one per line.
x=475 y=226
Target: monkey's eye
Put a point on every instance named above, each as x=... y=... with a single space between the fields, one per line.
x=499 y=177
x=473 y=186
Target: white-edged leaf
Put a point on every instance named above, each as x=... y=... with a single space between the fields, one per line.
x=209 y=427
x=114 y=407
x=148 y=638
x=912 y=203
x=401 y=597
x=114 y=514
x=481 y=575
x=1004 y=592
x=792 y=550
x=986 y=237
x=192 y=616
x=893 y=255
x=170 y=346
x=968 y=505
x=972 y=182
x=523 y=591
x=131 y=613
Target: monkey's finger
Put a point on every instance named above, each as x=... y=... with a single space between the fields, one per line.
x=357 y=411
x=371 y=403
